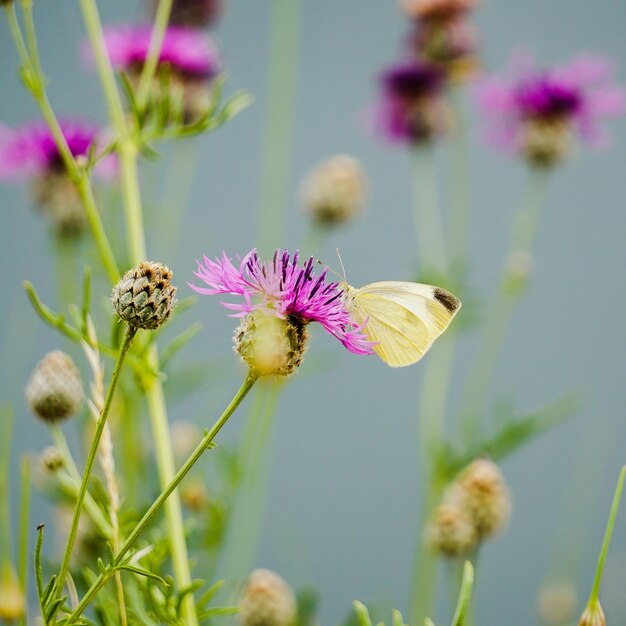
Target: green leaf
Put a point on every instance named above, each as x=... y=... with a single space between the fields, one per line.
x=396 y=618
x=464 y=595
x=38 y=566
x=362 y=613
x=141 y=572
x=210 y=593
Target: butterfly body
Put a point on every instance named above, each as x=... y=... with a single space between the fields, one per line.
x=403 y=319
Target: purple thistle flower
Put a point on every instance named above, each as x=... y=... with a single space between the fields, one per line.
x=189 y=52
x=411 y=108
x=32 y=150
x=283 y=288
x=577 y=96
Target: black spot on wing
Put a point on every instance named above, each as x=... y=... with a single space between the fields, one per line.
x=451 y=303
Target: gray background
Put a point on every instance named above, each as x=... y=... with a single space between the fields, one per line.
x=342 y=504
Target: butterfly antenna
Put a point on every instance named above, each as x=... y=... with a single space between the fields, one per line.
x=345 y=278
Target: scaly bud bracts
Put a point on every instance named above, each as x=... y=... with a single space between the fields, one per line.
x=267 y=600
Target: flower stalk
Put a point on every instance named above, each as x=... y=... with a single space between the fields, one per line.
x=205 y=444
x=128 y=338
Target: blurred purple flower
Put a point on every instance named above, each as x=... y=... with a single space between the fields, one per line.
x=195 y=13
x=187 y=51
x=32 y=151
x=411 y=108
x=576 y=97
x=283 y=288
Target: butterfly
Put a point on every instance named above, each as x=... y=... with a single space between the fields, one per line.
x=402 y=319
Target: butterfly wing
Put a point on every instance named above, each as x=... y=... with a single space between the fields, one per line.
x=403 y=318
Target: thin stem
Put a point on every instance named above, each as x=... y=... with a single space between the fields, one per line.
x=511 y=288
x=31 y=34
x=595 y=590
x=73 y=484
x=431 y=246
x=91 y=458
x=93 y=25
x=132 y=202
x=6 y=426
x=279 y=121
x=431 y=412
x=16 y=33
x=165 y=494
x=22 y=559
x=459 y=180
x=161 y=21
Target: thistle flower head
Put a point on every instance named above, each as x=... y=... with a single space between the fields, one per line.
x=284 y=288
x=334 y=191
x=438 y=10
x=271 y=346
x=187 y=51
x=593 y=615
x=52 y=459
x=267 y=600
x=55 y=390
x=411 y=108
x=481 y=490
x=32 y=151
x=556 y=604
x=145 y=297
x=538 y=113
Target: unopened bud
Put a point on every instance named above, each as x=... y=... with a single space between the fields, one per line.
x=334 y=191
x=56 y=196
x=55 y=390
x=194 y=495
x=271 y=346
x=267 y=600
x=52 y=459
x=12 y=603
x=451 y=531
x=593 y=615
x=556 y=604
x=482 y=491
x=145 y=296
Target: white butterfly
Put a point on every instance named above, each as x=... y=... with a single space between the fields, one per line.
x=403 y=319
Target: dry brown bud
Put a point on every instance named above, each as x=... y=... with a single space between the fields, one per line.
x=267 y=600
x=451 y=531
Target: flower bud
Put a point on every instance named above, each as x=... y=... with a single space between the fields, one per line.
x=145 y=296
x=545 y=143
x=556 y=604
x=55 y=390
x=12 y=603
x=271 y=346
x=267 y=600
x=480 y=488
x=194 y=495
x=58 y=199
x=451 y=531
x=334 y=191
x=593 y=615
x=51 y=459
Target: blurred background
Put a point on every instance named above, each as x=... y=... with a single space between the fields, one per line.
x=342 y=506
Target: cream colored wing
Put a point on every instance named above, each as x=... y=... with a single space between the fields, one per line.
x=400 y=336
x=434 y=306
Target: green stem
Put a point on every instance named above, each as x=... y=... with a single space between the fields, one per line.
x=91 y=458
x=31 y=34
x=93 y=25
x=608 y=533
x=161 y=21
x=499 y=313
x=73 y=481
x=459 y=181
x=431 y=412
x=158 y=503
x=16 y=33
x=132 y=203
x=24 y=533
x=431 y=246
x=253 y=460
x=36 y=84
x=279 y=121
x=6 y=427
